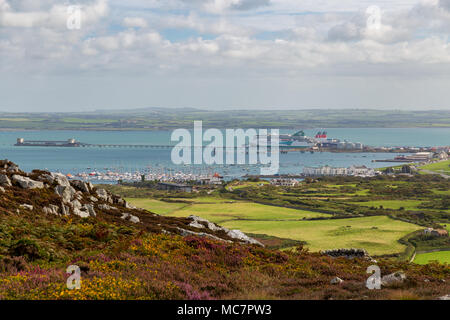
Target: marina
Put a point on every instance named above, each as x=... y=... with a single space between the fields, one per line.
x=112 y=164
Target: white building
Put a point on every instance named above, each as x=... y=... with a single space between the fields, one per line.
x=361 y=171
x=284 y=182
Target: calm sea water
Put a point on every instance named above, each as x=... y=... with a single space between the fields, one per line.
x=75 y=160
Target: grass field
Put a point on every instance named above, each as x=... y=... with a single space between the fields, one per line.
x=440 y=167
x=220 y=210
x=392 y=204
x=156 y=206
x=378 y=235
x=441 y=256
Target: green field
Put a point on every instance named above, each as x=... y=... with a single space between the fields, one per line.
x=441 y=256
x=220 y=210
x=392 y=204
x=378 y=234
x=439 y=167
x=156 y=206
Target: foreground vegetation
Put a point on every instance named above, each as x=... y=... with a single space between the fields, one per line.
x=153 y=259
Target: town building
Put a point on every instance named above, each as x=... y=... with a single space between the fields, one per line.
x=360 y=171
x=436 y=232
x=284 y=182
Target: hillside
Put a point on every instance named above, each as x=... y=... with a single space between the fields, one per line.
x=48 y=223
x=167 y=119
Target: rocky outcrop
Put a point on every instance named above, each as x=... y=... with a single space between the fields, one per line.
x=51 y=209
x=185 y=233
x=201 y=223
x=27 y=183
x=102 y=194
x=67 y=193
x=393 y=278
x=81 y=185
x=5 y=181
x=106 y=207
x=54 y=177
x=78 y=198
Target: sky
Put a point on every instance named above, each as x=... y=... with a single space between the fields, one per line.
x=87 y=55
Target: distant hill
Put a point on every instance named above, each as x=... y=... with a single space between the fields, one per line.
x=170 y=118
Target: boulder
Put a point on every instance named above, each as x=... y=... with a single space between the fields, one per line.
x=27 y=207
x=83 y=186
x=336 y=280
x=93 y=199
x=102 y=194
x=2 y=190
x=66 y=193
x=4 y=180
x=51 y=209
x=446 y=297
x=106 y=207
x=130 y=217
x=239 y=235
x=90 y=209
x=196 y=223
x=393 y=278
x=13 y=168
x=65 y=210
x=27 y=183
x=200 y=223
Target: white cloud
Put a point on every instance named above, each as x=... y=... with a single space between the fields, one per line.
x=134 y=22
x=227 y=38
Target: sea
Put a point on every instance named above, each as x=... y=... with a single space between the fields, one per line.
x=96 y=159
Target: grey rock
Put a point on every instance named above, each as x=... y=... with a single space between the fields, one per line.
x=102 y=194
x=446 y=297
x=4 y=180
x=93 y=199
x=27 y=207
x=185 y=233
x=2 y=190
x=66 y=193
x=51 y=209
x=13 y=169
x=65 y=210
x=83 y=186
x=336 y=280
x=106 y=207
x=239 y=235
x=130 y=217
x=200 y=223
x=27 y=183
x=129 y=206
x=393 y=278
x=57 y=177
x=134 y=219
x=90 y=209
x=196 y=224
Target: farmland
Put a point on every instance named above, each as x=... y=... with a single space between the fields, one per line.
x=439 y=167
x=374 y=214
x=441 y=256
